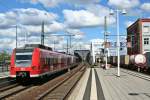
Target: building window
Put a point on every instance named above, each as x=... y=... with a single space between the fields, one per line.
x=146 y=41
x=145 y=29
x=132 y=41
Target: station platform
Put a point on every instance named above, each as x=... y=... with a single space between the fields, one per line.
x=4 y=75
x=100 y=84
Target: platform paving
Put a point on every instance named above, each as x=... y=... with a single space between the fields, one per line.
x=125 y=87
x=78 y=92
x=88 y=88
x=101 y=84
x=4 y=75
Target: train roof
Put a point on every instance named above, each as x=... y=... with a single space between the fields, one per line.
x=30 y=47
x=37 y=46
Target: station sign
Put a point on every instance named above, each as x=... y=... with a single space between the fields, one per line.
x=107 y=45
x=122 y=44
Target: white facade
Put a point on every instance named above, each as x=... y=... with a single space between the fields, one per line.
x=146 y=36
x=97 y=45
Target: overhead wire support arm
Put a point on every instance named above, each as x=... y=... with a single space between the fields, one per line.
x=68 y=35
x=116 y=35
x=42 y=34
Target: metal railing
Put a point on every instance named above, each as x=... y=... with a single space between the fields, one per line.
x=4 y=66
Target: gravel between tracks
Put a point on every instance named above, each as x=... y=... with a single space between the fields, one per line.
x=34 y=92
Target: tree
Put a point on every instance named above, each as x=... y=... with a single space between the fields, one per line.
x=4 y=56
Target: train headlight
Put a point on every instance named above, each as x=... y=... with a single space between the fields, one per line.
x=33 y=67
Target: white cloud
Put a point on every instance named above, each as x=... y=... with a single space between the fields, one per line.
x=56 y=26
x=78 y=34
x=51 y=28
x=53 y=3
x=74 y=31
x=84 y=18
x=81 y=46
x=7 y=19
x=146 y=7
x=29 y=22
x=124 y=3
x=128 y=23
x=49 y=40
x=80 y=18
x=7 y=43
x=34 y=39
x=97 y=40
x=50 y=3
x=82 y=2
x=8 y=33
x=134 y=13
x=46 y=3
x=57 y=39
x=98 y=10
x=32 y=16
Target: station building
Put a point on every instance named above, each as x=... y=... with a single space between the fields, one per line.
x=138 y=36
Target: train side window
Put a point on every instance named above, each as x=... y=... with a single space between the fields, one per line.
x=52 y=61
x=48 y=62
x=44 y=61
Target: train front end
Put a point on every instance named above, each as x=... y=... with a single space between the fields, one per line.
x=24 y=64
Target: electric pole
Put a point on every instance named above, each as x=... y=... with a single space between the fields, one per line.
x=16 y=36
x=42 y=34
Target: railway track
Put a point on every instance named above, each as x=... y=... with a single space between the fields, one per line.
x=9 y=92
x=136 y=74
x=7 y=82
x=63 y=88
x=8 y=87
x=42 y=91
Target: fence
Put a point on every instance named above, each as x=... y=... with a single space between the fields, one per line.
x=4 y=66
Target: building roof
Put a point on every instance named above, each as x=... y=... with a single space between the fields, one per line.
x=137 y=21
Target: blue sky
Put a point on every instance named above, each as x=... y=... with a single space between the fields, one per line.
x=83 y=18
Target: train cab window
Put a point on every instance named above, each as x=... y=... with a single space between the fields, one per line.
x=146 y=41
x=23 y=59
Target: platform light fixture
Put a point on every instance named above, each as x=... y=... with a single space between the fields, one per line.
x=118 y=40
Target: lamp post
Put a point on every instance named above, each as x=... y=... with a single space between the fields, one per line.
x=105 y=40
x=118 y=41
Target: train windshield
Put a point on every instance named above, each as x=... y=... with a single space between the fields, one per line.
x=23 y=59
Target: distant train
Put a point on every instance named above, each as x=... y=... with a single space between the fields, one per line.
x=140 y=62
x=36 y=60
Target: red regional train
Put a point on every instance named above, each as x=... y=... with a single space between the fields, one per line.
x=34 y=60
